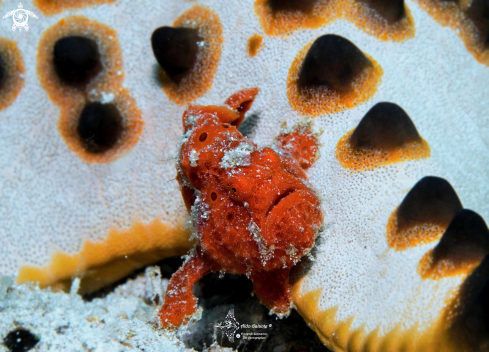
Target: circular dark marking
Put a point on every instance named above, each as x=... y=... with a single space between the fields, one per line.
x=213 y=196
x=478 y=12
x=203 y=137
x=385 y=126
x=431 y=201
x=466 y=238
x=332 y=61
x=20 y=340
x=230 y=216
x=470 y=326
x=3 y=72
x=76 y=60
x=392 y=10
x=176 y=50
x=99 y=127
x=483 y=300
x=305 y=6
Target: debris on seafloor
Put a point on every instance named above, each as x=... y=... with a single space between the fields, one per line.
x=121 y=318
x=60 y=321
x=258 y=330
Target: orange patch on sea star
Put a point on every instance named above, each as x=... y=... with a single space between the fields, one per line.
x=13 y=66
x=453 y=14
x=52 y=7
x=315 y=101
x=285 y=22
x=254 y=44
x=402 y=239
x=428 y=268
x=199 y=80
x=367 y=159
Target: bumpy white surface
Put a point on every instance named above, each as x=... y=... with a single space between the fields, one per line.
x=51 y=200
x=64 y=322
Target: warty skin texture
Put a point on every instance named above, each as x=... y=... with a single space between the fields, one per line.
x=358 y=292
x=252 y=209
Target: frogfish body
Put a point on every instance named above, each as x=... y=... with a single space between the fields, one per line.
x=252 y=209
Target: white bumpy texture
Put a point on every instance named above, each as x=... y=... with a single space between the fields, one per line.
x=51 y=200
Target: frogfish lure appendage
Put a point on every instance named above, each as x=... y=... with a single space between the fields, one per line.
x=252 y=209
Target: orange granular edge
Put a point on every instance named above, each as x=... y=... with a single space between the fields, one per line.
x=321 y=100
x=71 y=100
x=52 y=7
x=284 y=23
x=449 y=14
x=340 y=335
x=14 y=66
x=429 y=269
x=368 y=159
x=326 y=11
x=254 y=44
x=402 y=239
x=118 y=255
x=199 y=80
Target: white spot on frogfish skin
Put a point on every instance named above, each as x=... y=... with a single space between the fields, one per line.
x=193 y=157
x=265 y=251
x=191 y=120
x=291 y=251
x=239 y=156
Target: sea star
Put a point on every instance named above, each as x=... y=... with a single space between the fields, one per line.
x=404 y=125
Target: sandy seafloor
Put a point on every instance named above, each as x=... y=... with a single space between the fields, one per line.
x=121 y=321
x=122 y=318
